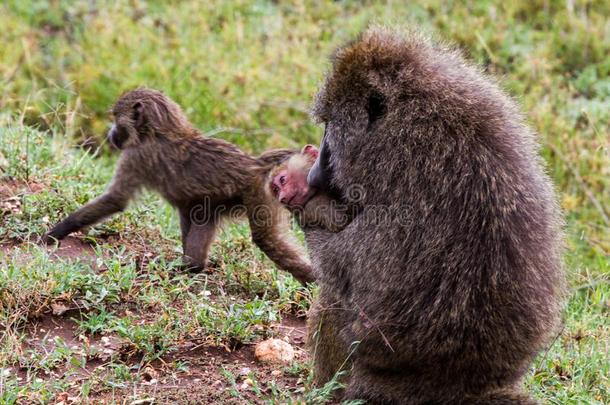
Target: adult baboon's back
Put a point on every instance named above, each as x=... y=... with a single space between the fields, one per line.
x=457 y=286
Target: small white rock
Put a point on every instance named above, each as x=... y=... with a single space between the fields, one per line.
x=244 y=371
x=59 y=308
x=274 y=351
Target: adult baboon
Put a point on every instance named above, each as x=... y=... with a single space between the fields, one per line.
x=451 y=297
x=206 y=179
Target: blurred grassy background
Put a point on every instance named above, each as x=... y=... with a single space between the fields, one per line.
x=246 y=71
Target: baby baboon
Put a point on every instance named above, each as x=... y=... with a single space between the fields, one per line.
x=311 y=208
x=449 y=298
x=205 y=179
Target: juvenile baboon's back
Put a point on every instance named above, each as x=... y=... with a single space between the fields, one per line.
x=457 y=289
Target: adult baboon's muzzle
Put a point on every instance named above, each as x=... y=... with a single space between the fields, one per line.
x=320 y=174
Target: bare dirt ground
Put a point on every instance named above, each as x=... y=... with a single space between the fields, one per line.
x=203 y=379
x=202 y=382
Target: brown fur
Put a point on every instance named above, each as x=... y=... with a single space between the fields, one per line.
x=448 y=300
x=198 y=175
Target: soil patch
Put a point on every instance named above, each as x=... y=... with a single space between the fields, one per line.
x=69 y=248
x=207 y=374
x=11 y=187
x=72 y=248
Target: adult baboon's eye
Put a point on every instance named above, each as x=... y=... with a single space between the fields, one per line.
x=282 y=180
x=376 y=107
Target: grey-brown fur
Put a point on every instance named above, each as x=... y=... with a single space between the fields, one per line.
x=448 y=300
x=198 y=175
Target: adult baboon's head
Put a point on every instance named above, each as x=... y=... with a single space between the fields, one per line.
x=383 y=97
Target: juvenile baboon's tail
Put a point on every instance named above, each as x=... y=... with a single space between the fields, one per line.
x=274 y=157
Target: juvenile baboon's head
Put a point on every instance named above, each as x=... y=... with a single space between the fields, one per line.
x=145 y=114
x=288 y=181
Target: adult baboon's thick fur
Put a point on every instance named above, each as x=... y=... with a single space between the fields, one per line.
x=204 y=178
x=450 y=296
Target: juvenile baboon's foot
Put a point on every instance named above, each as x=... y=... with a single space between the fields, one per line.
x=195 y=267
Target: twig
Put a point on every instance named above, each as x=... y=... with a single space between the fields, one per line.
x=385 y=339
x=548 y=349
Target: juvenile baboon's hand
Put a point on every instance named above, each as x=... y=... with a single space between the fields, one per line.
x=57 y=233
x=49 y=239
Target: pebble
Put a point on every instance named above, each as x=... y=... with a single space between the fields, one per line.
x=274 y=351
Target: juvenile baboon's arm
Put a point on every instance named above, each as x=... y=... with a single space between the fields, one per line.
x=270 y=232
x=124 y=185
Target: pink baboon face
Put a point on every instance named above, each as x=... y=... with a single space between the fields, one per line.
x=289 y=185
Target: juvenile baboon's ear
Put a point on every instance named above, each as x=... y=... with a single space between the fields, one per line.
x=376 y=107
x=310 y=151
x=138 y=114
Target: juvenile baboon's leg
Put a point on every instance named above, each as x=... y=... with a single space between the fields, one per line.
x=270 y=232
x=196 y=240
x=185 y=223
x=330 y=354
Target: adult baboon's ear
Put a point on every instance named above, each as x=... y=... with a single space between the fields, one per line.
x=376 y=107
x=138 y=114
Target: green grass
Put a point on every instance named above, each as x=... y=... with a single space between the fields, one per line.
x=246 y=71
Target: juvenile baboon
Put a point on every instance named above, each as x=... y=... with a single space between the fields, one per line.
x=451 y=297
x=311 y=208
x=206 y=179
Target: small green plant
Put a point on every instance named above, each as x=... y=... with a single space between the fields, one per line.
x=96 y=322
